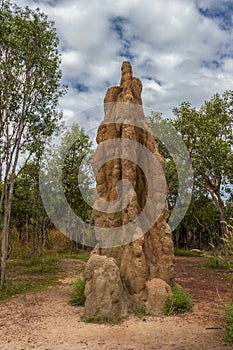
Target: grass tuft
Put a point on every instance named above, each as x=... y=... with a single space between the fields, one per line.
x=181 y=301
x=141 y=312
x=77 y=297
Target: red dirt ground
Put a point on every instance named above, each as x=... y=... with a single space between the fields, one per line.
x=46 y=320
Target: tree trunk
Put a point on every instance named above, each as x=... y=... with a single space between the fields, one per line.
x=200 y=240
x=43 y=229
x=5 y=232
x=26 y=231
x=5 y=243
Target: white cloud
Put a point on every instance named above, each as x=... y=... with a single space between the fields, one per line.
x=228 y=66
x=179 y=52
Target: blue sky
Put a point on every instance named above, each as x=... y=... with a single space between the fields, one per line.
x=180 y=49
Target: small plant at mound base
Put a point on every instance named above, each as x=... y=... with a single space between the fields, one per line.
x=229 y=324
x=181 y=301
x=141 y=312
x=77 y=297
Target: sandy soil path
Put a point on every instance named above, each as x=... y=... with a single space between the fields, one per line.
x=46 y=320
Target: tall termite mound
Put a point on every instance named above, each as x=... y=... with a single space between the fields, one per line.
x=132 y=266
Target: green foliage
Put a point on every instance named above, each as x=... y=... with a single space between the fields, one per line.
x=30 y=90
x=57 y=247
x=51 y=260
x=72 y=159
x=27 y=276
x=229 y=210
x=11 y=289
x=30 y=80
x=39 y=269
x=217 y=263
x=26 y=273
x=33 y=263
x=186 y=253
x=89 y=319
x=75 y=146
x=229 y=325
x=181 y=301
x=141 y=312
x=207 y=133
x=31 y=70
x=201 y=221
x=158 y=124
x=28 y=215
x=77 y=296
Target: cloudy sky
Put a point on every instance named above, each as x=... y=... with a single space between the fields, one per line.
x=181 y=49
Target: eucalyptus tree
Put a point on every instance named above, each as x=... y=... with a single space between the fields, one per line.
x=30 y=89
x=67 y=183
x=77 y=175
x=207 y=133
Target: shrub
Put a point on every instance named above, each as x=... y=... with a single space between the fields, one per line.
x=77 y=296
x=229 y=324
x=181 y=301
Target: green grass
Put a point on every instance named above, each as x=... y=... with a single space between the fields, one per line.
x=141 y=312
x=181 y=301
x=13 y=288
x=215 y=263
x=39 y=269
x=29 y=262
x=28 y=274
x=229 y=324
x=84 y=257
x=22 y=286
x=77 y=297
x=186 y=253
